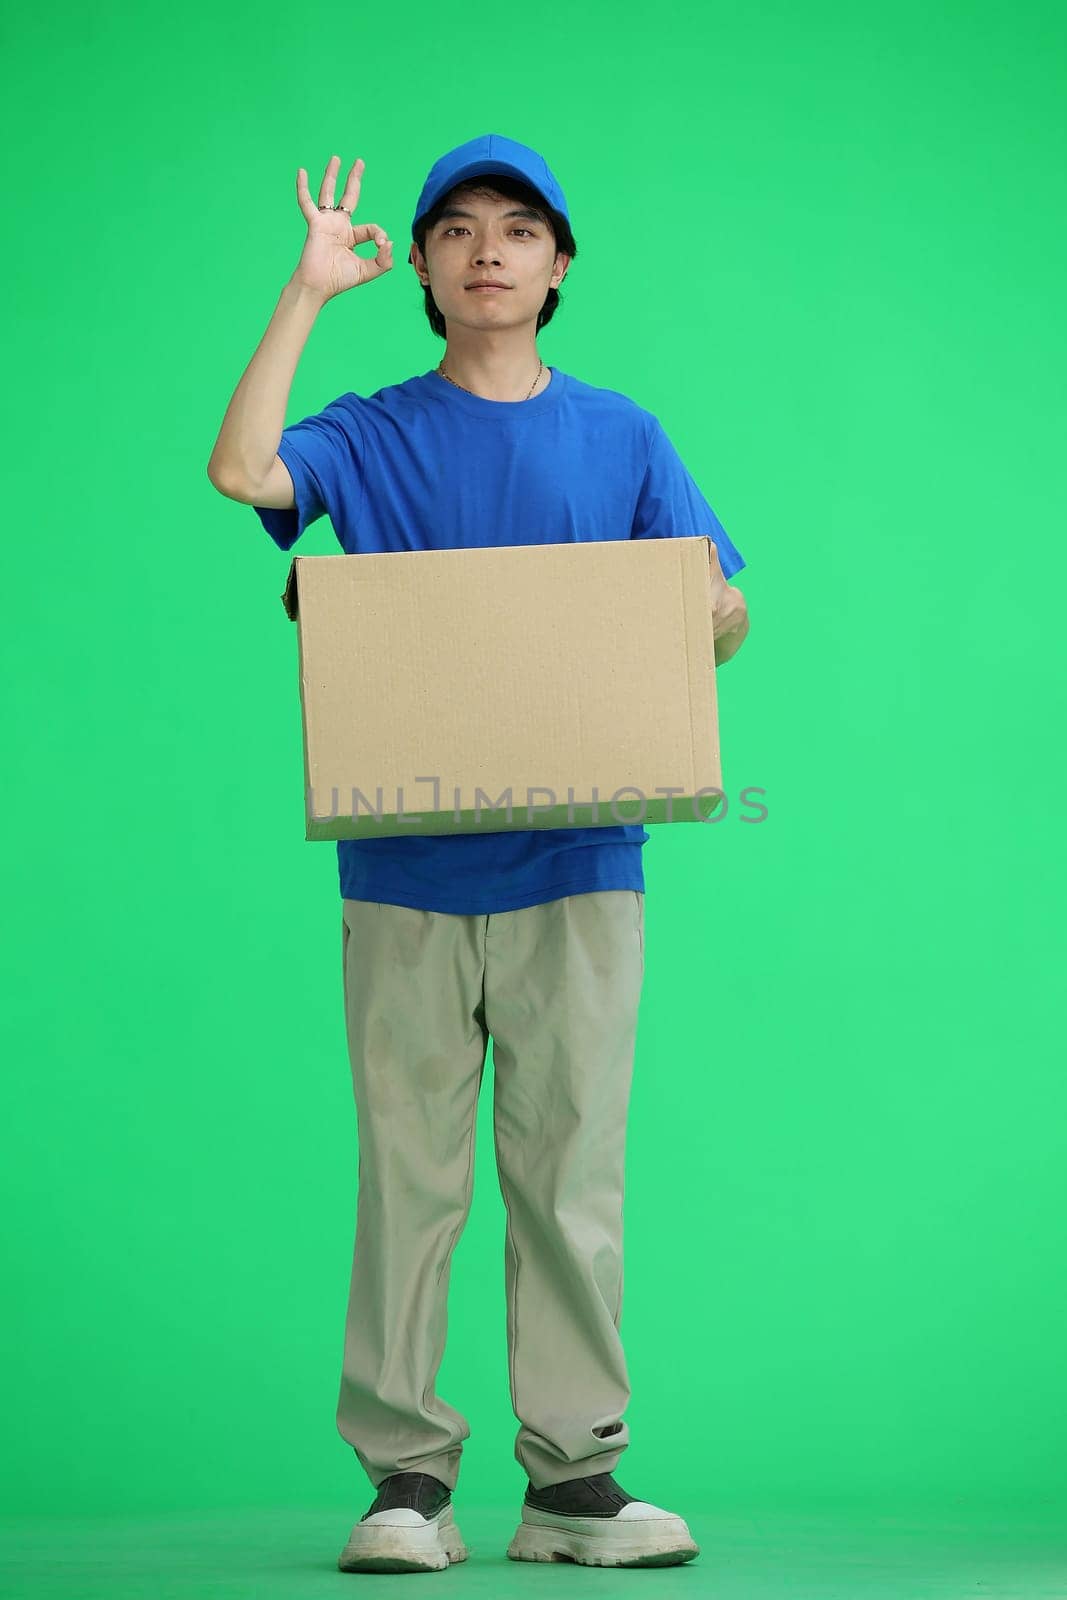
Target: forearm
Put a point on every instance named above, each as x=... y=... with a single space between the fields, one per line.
x=252 y=427
x=730 y=624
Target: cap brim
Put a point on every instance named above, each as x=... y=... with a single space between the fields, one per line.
x=486 y=169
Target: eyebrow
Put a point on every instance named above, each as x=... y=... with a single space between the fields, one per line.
x=455 y=211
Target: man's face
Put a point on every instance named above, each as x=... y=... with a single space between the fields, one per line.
x=484 y=236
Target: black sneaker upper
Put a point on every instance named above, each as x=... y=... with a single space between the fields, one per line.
x=419 y=1490
x=595 y=1496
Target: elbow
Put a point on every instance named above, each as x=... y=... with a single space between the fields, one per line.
x=224 y=484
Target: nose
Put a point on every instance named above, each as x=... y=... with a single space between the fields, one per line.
x=483 y=251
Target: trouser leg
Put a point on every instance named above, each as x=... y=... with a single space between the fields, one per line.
x=417 y=1043
x=562 y=989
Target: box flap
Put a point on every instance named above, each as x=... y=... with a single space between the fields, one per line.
x=289 y=595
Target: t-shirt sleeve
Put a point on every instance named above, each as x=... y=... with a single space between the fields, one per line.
x=670 y=506
x=324 y=455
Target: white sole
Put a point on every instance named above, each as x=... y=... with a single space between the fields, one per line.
x=601 y=1541
x=428 y=1546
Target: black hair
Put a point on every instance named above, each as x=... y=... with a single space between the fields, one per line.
x=511 y=189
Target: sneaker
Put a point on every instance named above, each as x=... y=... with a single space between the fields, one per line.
x=408 y=1528
x=594 y=1522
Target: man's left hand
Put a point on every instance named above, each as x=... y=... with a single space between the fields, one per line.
x=729 y=613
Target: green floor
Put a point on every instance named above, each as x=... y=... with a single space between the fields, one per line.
x=766 y=1556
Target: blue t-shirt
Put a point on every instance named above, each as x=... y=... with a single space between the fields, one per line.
x=425 y=465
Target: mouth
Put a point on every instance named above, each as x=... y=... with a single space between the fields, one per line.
x=487 y=288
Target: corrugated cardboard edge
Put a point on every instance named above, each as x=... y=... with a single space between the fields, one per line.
x=707 y=614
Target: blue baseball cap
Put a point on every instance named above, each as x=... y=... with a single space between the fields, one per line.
x=489 y=153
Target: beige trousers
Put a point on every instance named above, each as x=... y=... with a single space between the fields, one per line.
x=557 y=987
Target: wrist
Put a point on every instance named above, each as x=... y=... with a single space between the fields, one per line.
x=302 y=296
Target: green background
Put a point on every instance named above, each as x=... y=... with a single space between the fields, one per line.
x=826 y=247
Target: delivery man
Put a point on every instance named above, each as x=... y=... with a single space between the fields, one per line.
x=533 y=937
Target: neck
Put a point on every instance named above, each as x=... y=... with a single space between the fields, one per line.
x=497 y=367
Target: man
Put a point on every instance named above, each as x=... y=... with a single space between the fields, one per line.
x=533 y=937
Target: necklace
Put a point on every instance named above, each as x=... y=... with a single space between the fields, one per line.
x=533 y=386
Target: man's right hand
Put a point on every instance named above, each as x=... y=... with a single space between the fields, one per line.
x=327 y=264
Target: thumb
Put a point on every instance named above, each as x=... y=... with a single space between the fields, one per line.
x=382 y=260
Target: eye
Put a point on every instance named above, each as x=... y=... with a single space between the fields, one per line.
x=458 y=227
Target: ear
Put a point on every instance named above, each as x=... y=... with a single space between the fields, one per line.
x=559 y=272
x=417 y=261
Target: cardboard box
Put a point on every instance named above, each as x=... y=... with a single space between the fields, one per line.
x=529 y=686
